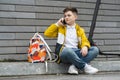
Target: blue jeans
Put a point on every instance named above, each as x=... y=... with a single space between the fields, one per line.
x=73 y=56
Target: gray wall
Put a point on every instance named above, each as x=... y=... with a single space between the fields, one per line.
x=20 y=19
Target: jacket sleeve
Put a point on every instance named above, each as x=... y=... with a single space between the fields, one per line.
x=51 y=31
x=84 y=41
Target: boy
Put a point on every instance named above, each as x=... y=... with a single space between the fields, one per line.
x=72 y=45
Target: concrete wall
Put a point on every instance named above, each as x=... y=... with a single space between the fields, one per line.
x=20 y=19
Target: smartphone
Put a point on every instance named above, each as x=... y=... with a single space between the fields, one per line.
x=64 y=22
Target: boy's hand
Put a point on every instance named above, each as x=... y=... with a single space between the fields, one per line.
x=59 y=22
x=84 y=51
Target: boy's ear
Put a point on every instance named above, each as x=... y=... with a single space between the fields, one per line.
x=76 y=16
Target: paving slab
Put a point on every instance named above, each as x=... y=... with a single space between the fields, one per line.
x=98 y=76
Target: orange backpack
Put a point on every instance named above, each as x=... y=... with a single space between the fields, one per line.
x=38 y=49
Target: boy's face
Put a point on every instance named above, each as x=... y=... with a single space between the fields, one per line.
x=70 y=17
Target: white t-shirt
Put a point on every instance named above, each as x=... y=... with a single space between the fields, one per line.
x=71 y=39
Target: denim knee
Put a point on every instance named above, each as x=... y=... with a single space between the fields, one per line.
x=95 y=50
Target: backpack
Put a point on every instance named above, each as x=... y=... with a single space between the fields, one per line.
x=39 y=51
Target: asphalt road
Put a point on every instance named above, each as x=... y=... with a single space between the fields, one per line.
x=98 y=76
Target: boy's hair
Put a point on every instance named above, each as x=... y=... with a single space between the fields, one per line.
x=74 y=10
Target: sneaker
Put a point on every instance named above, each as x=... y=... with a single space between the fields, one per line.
x=72 y=70
x=90 y=70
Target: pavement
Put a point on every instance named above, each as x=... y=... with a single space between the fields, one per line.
x=98 y=76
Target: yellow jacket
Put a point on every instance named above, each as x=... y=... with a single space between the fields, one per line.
x=54 y=31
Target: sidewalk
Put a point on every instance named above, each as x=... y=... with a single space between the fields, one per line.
x=98 y=76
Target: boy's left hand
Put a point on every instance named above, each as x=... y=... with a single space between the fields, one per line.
x=84 y=51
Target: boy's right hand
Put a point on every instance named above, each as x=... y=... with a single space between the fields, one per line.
x=59 y=22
